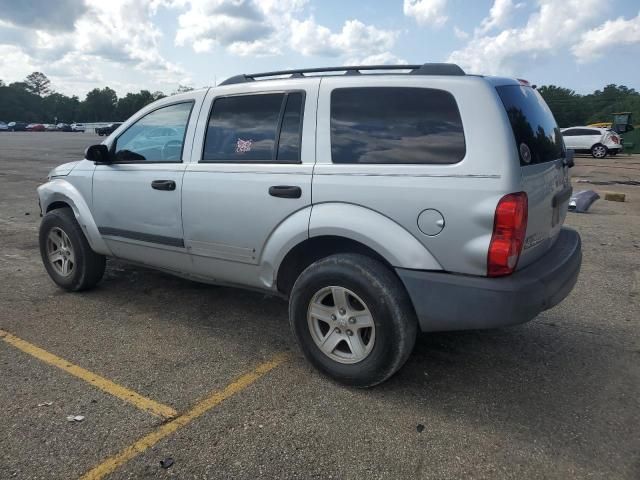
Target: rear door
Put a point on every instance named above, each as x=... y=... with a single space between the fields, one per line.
x=592 y=137
x=251 y=172
x=544 y=173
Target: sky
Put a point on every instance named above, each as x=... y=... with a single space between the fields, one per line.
x=131 y=45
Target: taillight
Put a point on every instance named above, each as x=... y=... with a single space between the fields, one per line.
x=615 y=139
x=509 y=229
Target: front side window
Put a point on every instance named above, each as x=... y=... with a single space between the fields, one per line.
x=156 y=137
x=571 y=133
x=255 y=128
x=395 y=125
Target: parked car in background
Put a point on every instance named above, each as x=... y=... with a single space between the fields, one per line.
x=63 y=127
x=599 y=142
x=435 y=205
x=107 y=130
x=3 y=127
x=17 y=126
x=77 y=127
x=35 y=127
x=50 y=127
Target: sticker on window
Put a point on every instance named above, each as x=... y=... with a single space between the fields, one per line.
x=525 y=153
x=243 y=146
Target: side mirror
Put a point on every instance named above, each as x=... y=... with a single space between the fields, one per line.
x=568 y=159
x=99 y=154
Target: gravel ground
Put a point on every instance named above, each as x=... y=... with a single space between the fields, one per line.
x=558 y=397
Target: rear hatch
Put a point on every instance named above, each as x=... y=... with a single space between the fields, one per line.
x=544 y=173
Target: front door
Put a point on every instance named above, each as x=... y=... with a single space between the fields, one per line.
x=252 y=175
x=137 y=198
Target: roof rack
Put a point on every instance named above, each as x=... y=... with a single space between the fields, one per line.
x=425 y=69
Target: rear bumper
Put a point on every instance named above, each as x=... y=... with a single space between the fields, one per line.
x=446 y=301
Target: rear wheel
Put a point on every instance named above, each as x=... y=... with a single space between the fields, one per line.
x=66 y=254
x=352 y=319
x=598 y=151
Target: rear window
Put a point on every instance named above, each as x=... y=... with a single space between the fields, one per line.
x=395 y=125
x=537 y=135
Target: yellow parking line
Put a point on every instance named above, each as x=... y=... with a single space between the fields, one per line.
x=112 y=463
x=97 y=381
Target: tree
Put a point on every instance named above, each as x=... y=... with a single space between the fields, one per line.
x=132 y=102
x=38 y=84
x=567 y=106
x=2 y=83
x=18 y=104
x=99 y=105
x=60 y=108
x=182 y=89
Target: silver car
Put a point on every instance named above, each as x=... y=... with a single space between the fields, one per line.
x=413 y=198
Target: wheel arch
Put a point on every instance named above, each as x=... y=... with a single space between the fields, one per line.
x=58 y=193
x=347 y=228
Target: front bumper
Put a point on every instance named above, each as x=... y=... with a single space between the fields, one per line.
x=445 y=301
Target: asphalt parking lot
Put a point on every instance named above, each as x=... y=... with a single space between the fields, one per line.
x=210 y=377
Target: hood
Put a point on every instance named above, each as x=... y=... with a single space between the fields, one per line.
x=62 y=170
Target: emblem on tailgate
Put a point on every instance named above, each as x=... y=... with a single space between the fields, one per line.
x=533 y=240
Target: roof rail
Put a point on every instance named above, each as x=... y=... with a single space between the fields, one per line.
x=425 y=69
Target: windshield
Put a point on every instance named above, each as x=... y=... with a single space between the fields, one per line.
x=537 y=135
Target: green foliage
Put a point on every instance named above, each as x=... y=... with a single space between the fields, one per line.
x=33 y=101
x=570 y=108
x=100 y=104
x=38 y=84
x=132 y=102
x=182 y=89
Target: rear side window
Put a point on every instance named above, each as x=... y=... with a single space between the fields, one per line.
x=255 y=128
x=537 y=135
x=395 y=125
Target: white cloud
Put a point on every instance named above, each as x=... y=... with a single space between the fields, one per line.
x=426 y=12
x=611 y=34
x=244 y=27
x=553 y=28
x=354 y=40
x=499 y=14
x=460 y=34
x=103 y=34
x=59 y=15
x=271 y=27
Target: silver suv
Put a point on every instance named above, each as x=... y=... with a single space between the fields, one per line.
x=378 y=200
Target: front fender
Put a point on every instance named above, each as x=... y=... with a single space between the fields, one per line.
x=394 y=243
x=60 y=190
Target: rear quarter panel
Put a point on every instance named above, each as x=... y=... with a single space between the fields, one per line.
x=466 y=193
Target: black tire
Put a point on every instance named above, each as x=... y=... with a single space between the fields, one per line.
x=88 y=267
x=384 y=295
x=599 y=151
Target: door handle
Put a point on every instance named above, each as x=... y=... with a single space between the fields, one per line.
x=163 y=185
x=285 y=191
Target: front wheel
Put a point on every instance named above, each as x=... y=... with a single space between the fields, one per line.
x=66 y=254
x=353 y=319
x=598 y=151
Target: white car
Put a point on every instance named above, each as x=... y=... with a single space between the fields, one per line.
x=598 y=141
x=77 y=127
x=3 y=127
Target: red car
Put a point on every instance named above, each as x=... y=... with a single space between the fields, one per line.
x=35 y=127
